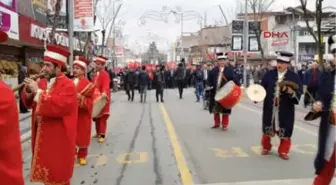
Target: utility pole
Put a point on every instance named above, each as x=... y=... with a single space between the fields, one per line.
x=71 y=32
x=245 y=46
x=295 y=42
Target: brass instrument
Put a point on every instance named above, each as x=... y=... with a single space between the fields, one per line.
x=34 y=77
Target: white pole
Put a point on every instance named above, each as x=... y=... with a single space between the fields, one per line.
x=181 y=42
x=245 y=46
x=71 y=32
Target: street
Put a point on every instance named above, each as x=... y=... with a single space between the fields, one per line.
x=172 y=143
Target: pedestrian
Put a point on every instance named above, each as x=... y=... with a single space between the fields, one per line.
x=199 y=83
x=159 y=82
x=283 y=90
x=54 y=120
x=180 y=76
x=143 y=82
x=10 y=144
x=325 y=104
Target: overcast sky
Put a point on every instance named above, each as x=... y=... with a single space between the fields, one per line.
x=166 y=33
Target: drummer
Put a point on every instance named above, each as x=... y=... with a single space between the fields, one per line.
x=217 y=78
x=279 y=105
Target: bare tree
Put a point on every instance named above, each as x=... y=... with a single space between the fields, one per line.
x=105 y=15
x=317 y=16
x=259 y=8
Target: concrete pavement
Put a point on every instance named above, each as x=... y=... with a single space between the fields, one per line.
x=172 y=143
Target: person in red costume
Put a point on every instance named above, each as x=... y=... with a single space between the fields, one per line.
x=10 y=149
x=101 y=80
x=85 y=91
x=54 y=120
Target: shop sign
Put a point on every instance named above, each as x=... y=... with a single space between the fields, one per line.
x=43 y=34
x=9 y=23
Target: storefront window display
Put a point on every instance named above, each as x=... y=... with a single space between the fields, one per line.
x=34 y=65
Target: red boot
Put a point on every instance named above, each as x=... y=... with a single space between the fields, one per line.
x=284 y=148
x=266 y=145
x=216 y=120
x=225 y=121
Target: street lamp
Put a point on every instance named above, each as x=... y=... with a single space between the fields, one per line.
x=181 y=16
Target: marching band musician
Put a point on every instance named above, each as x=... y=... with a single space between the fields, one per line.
x=85 y=91
x=283 y=90
x=54 y=120
x=217 y=78
x=325 y=104
x=101 y=80
x=10 y=155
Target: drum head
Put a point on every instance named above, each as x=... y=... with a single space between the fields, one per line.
x=256 y=92
x=225 y=90
x=98 y=106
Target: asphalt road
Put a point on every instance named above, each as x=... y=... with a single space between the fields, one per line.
x=172 y=143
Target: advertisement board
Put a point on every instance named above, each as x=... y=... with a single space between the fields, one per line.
x=9 y=23
x=84 y=15
x=62 y=19
x=34 y=9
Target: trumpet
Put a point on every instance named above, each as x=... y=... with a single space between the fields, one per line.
x=34 y=77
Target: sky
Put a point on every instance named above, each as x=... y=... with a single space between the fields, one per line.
x=139 y=35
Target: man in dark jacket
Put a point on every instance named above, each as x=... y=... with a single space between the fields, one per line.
x=22 y=75
x=180 y=76
x=199 y=83
x=159 y=81
x=130 y=83
x=143 y=82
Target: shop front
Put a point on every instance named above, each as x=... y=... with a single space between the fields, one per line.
x=10 y=54
x=34 y=36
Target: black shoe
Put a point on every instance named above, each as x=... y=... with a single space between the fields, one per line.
x=162 y=101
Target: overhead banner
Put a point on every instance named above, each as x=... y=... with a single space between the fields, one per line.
x=35 y=9
x=62 y=18
x=83 y=15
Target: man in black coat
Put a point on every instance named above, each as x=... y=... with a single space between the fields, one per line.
x=325 y=104
x=217 y=78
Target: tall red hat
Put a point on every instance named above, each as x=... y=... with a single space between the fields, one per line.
x=56 y=54
x=81 y=62
x=3 y=36
x=100 y=59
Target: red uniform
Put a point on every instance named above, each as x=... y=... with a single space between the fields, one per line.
x=10 y=145
x=86 y=89
x=102 y=82
x=54 y=124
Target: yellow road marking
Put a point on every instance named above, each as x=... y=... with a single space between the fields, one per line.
x=101 y=160
x=234 y=152
x=238 y=152
x=134 y=157
x=180 y=159
x=298 y=127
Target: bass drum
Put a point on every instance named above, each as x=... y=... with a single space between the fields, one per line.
x=99 y=103
x=229 y=95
